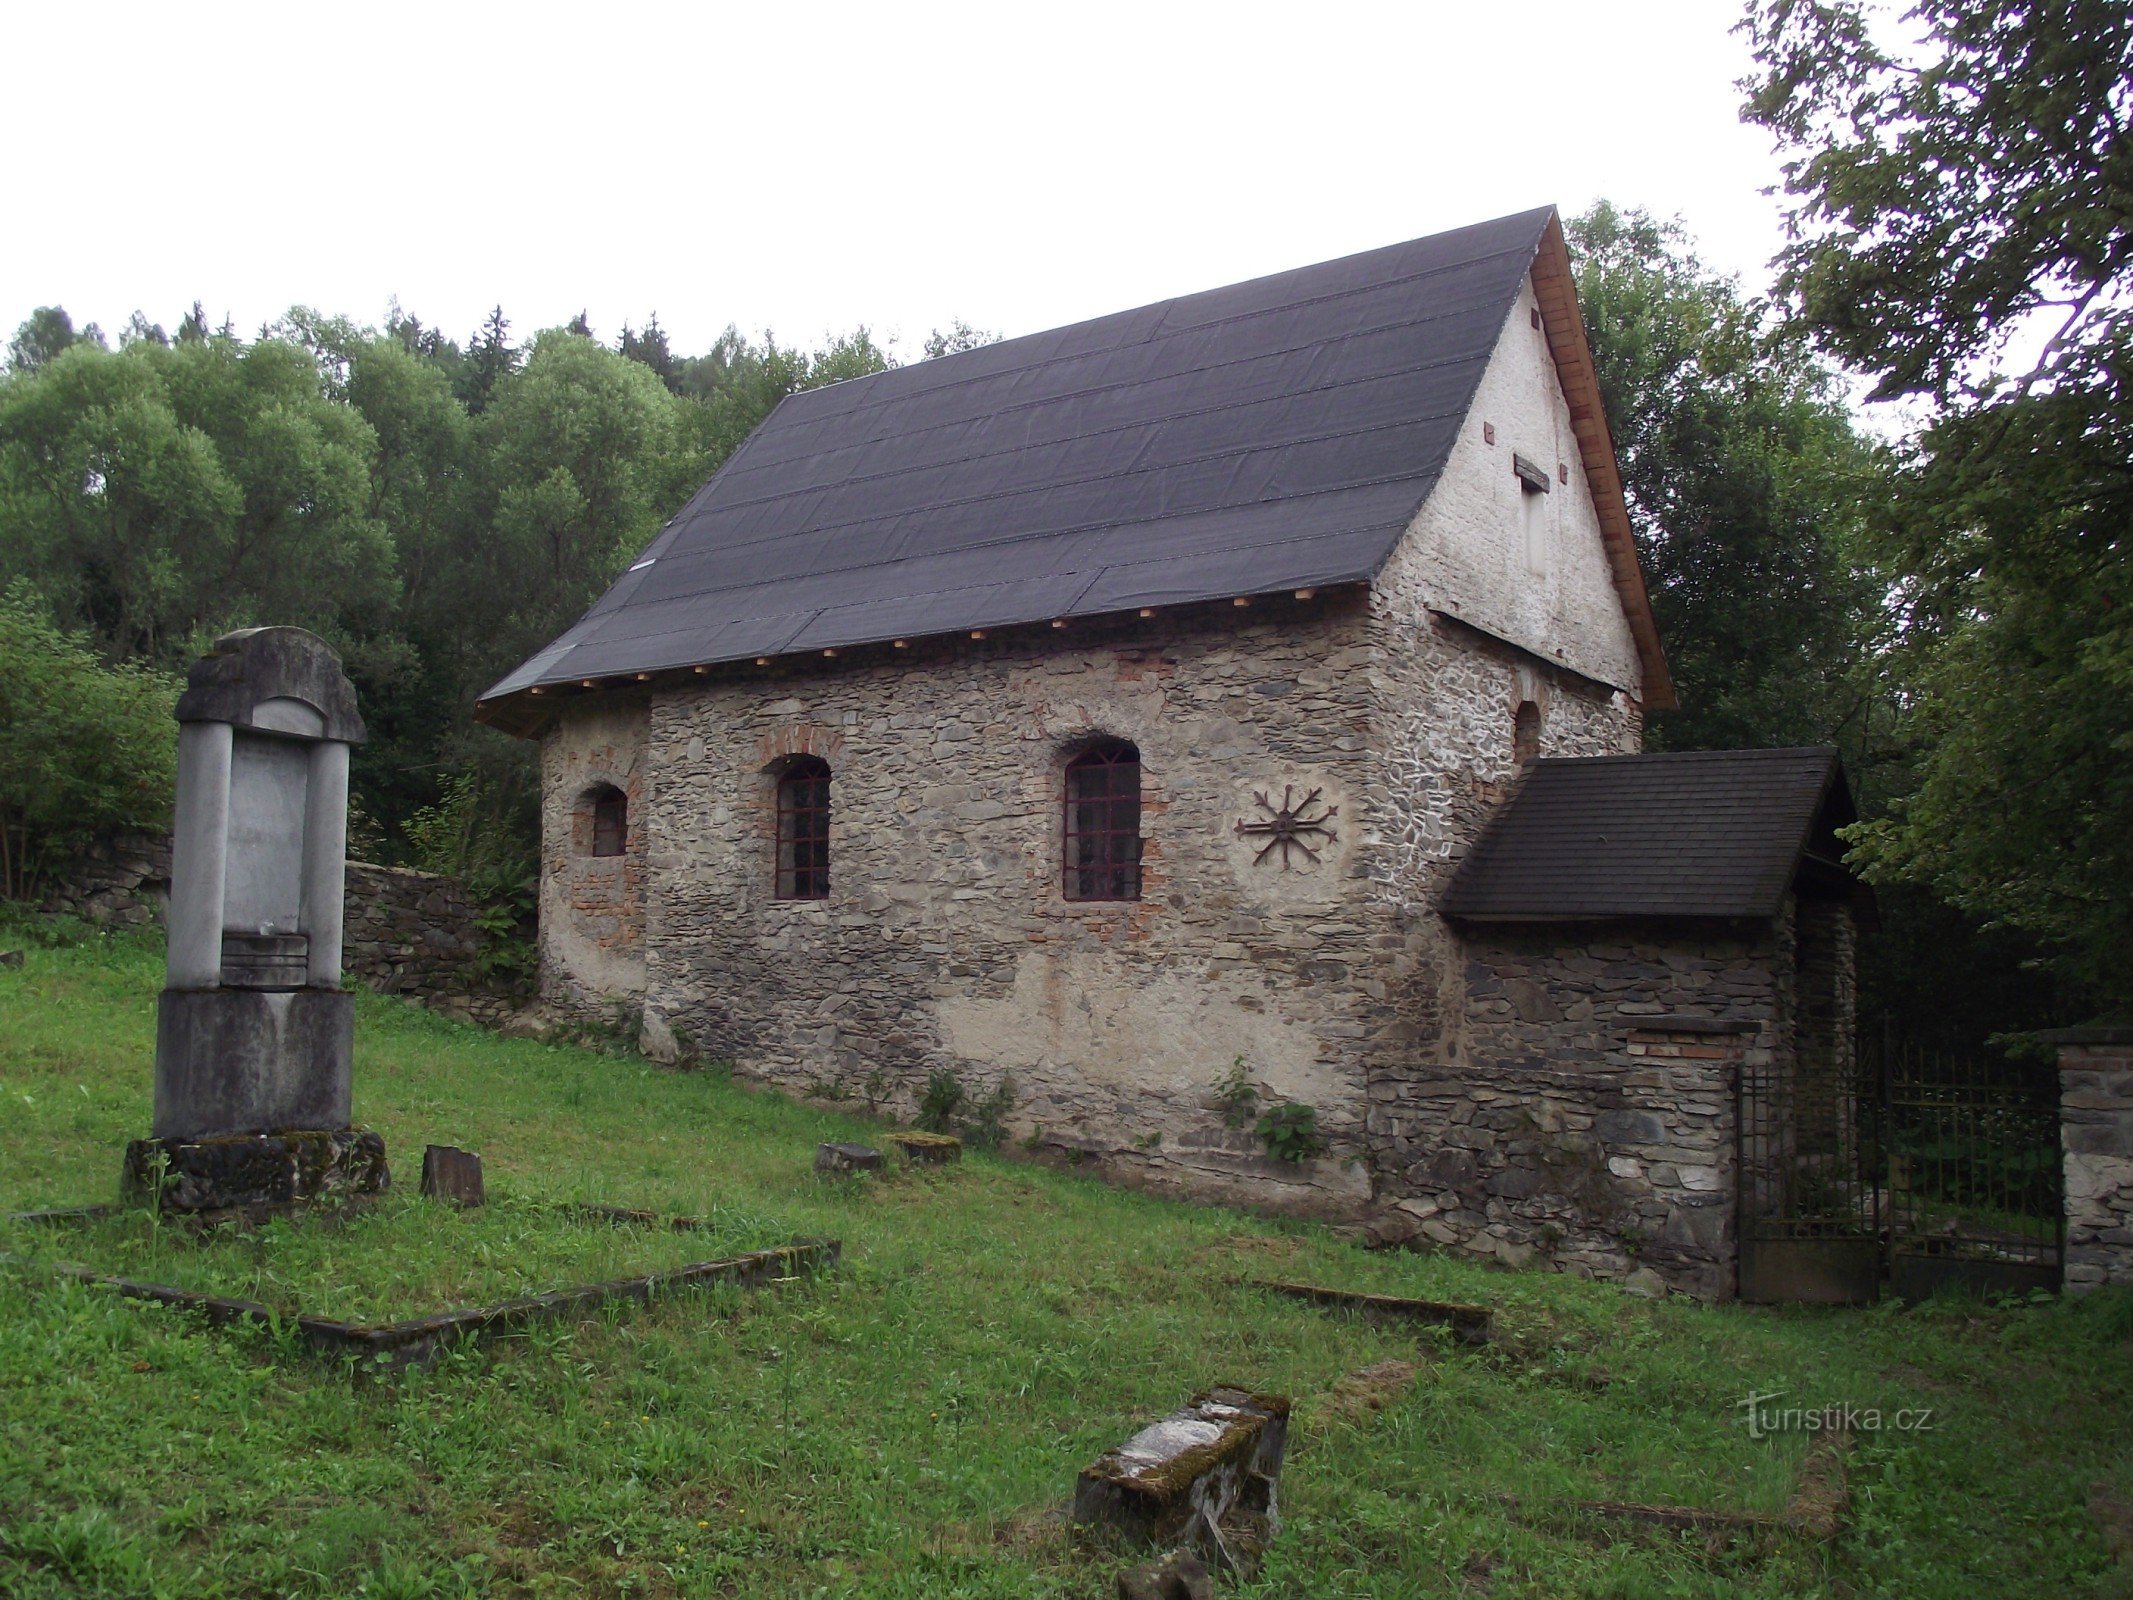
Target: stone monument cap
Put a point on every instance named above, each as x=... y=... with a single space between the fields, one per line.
x=275 y=680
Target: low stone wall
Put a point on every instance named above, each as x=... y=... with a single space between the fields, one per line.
x=1592 y=1122
x=415 y=934
x=406 y=933
x=2096 y=1130
x=123 y=881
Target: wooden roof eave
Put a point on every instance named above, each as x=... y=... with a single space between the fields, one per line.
x=1555 y=284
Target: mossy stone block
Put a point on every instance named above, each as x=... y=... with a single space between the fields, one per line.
x=255 y=1172
x=928 y=1149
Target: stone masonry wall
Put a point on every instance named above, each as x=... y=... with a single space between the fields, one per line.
x=415 y=934
x=946 y=942
x=1590 y=1117
x=1466 y=1100
x=2096 y=1131
x=406 y=933
x=122 y=881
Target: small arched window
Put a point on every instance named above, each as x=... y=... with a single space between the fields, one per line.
x=1526 y=732
x=803 y=830
x=1102 y=858
x=610 y=820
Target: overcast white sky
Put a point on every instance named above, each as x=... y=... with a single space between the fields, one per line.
x=808 y=168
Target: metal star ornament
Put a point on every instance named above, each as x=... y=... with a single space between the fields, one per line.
x=1286 y=826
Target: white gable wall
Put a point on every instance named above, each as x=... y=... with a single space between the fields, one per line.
x=1529 y=568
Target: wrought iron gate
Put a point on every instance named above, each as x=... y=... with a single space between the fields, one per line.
x=1810 y=1198
x=1971 y=1166
x=1910 y=1170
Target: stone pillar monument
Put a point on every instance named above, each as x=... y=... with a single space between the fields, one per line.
x=254 y=1033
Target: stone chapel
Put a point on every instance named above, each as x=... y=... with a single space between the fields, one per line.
x=1246 y=688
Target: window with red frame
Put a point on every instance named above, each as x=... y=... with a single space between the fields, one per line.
x=804 y=830
x=1102 y=857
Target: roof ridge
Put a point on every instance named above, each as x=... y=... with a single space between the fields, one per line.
x=1693 y=755
x=846 y=384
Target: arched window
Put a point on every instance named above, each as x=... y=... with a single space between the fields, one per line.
x=610 y=820
x=1526 y=732
x=804 y=830
x=1102 y=858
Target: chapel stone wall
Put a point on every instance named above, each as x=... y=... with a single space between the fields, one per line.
x=946 y=943
x=593 y=907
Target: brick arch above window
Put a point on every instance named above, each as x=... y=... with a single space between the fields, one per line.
x=776 y=746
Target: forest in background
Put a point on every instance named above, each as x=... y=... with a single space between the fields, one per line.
x=1949 y=608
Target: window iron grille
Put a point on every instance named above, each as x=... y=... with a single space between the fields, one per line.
x=803 y=830
x=1101 y=859
x=611 y=823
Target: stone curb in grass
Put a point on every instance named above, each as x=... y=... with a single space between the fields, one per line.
x=1470 y=1324
x=418 y=1341
x=1820 y=1503
x=61 y=1216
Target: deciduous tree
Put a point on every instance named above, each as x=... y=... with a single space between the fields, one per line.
x=1961 y=184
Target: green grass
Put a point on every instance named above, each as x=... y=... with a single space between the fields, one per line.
x=903 y=1426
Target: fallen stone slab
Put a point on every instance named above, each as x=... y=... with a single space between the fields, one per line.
x=629 y=1216
x=453 y=1175
x=1205 y=1476
x=836 y=1160
x=1822 y=1498
x=1371 y=1389
x=928 y=1149
x=1681 y=1519
x=418 y=1341
x=1470 y=1324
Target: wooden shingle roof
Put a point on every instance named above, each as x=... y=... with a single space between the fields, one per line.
x=1703 y=834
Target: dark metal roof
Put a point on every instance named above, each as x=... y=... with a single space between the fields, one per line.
x=1704 y=833
x=1277 y=434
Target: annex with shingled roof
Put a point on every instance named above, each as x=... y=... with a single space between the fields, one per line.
x=1104 y=715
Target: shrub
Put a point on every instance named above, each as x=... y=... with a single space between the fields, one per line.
x=943 y=1098
x=1291 y=1132
x=987 y=1126
x=85 y=749
x=1235 y=1097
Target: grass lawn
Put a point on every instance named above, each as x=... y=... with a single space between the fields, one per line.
x=904 y=1425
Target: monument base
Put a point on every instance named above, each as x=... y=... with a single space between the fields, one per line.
x=256 y=1173
x=230 y=1059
